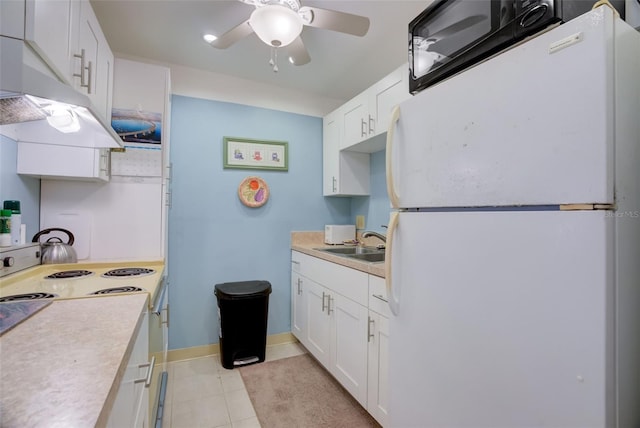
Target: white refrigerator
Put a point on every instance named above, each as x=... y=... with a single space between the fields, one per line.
x=513 y=252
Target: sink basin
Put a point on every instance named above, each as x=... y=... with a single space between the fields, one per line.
x=345 y=251
x=369 y=257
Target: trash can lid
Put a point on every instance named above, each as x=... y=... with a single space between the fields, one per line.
x=242 y=289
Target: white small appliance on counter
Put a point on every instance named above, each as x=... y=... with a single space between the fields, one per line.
x=338 y=233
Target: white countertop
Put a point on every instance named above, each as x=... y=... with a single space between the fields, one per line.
x=62 y=367
x=308 y=242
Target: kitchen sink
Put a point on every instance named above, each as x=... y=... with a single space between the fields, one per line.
x=365 y=254
x=345 y=251
x=370 y=257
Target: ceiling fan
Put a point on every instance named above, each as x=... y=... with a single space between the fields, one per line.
x=279 y=23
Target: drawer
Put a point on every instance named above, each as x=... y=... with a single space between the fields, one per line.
x=350 y=283
x=378 y=296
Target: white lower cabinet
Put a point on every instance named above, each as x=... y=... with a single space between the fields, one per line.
x=349 y=362
x=378 y=356
x=297 y=305
x=330 y=317
x=318 y=332
x=131 y=406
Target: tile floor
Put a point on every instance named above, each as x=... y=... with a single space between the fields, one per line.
x=201 y=393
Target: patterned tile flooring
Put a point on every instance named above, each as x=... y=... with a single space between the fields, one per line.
x=203 y=394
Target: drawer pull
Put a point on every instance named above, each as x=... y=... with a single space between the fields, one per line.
x=370 y=335
x=380 y=297
x=147 y=379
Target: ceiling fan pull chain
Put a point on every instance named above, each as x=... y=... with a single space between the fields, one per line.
x=275 y=61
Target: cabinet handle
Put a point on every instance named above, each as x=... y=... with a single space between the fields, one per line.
x=299 y=286
x=147 y=379
x=363 y=130
x=323 y=306
x=329 y=299
x=82 y=68
x=370 y=335
x=295 y=262
x=380 y=297
x=371 y=125
x=335 y=184
x=89 y=72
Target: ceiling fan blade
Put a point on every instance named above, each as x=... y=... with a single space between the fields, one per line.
x=232 y=36
x=298 y=54
x=336 y=21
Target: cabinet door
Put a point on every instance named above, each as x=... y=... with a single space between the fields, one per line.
x=378 y=368
x=318 y=336
x=384 y=96
x=89 y=34
x=12 y=18
x=331 y=153
x=63 y=162
x=344 y=173
x=349 y=341
x=104 y=78
x=298 y=306
x=48 y=28
x=130 y=408
x=355 y=120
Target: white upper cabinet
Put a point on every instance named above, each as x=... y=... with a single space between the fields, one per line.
x=12 y=18
x=67 y=36
x=344 y=173
x=356 y=120
x=355 y=130
x=48 y=29
x=367 y=115
x=384 y=96
x=63 y=162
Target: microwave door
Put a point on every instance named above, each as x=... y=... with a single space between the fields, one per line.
x=431 y=51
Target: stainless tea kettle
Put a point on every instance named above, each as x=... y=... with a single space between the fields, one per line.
x=54 y=250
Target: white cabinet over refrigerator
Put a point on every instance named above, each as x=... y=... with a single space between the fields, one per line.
x=512 y=259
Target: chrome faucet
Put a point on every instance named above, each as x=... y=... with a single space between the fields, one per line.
x=368 y=233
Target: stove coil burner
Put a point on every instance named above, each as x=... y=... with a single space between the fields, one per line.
x=28 y=296
x=127 y=272
x=66 y=274
x=125 y=289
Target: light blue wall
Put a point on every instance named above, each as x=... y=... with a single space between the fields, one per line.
x=213 y=237
x=376 y=207
x=18 y=187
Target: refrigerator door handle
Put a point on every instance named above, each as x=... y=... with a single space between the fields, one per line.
x=391 y=190
x=394 y=298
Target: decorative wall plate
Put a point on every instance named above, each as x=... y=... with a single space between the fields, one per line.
x=253 y=192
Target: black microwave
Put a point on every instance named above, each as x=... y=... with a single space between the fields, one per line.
x=452 y=35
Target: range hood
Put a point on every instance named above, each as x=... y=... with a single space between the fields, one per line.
x=37 y=108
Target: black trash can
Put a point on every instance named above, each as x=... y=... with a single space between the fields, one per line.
x=242 y=315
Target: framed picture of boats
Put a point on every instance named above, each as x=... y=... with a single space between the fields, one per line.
x=245 y=153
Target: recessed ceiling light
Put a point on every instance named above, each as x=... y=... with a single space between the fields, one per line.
x=209 y=38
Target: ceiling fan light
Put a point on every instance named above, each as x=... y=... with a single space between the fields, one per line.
x=276 y=25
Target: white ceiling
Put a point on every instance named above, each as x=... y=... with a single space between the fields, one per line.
x=170 y=32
